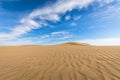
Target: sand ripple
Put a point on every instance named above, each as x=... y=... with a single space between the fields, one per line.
x=59 y=63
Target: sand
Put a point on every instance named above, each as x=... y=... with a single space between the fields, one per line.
x=60 y=62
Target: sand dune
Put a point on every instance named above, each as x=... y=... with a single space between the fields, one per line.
x=73 y=43
x=60 y=62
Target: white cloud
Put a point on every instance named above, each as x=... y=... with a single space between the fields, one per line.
x=56 y=35
x=59 y=33
x=109 y=12
x=102 y=2
x=73 y=24
x=62 y=6
x=47 y=13
x=103 y=42
x=67 y=18
x=44 y=14
x=77 y=18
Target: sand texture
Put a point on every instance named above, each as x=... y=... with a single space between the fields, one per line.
x=60 y=62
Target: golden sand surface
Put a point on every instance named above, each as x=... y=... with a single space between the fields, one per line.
x=69 y=61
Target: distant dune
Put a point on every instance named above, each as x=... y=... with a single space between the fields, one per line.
x=74 y=43
x=68 y=61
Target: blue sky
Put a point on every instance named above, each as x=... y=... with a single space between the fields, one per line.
x=24 y=22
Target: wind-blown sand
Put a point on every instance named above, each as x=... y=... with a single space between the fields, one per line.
x=60 y=62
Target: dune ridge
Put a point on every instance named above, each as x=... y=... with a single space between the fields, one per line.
x=73 y=43
x=60 y=62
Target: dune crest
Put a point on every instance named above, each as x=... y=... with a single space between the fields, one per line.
x=74 y=43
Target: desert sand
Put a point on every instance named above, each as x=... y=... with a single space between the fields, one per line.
x=69 y=61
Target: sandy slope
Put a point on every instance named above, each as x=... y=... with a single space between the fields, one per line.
x=73 y=62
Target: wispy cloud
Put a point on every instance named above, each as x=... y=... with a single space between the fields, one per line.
x=77 y=18
x=73 y=24
x=108 y=12
x=102 y=2
x=67 y=17
x=60 y=35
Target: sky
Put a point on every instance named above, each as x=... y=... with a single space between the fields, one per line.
x=46 y=22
